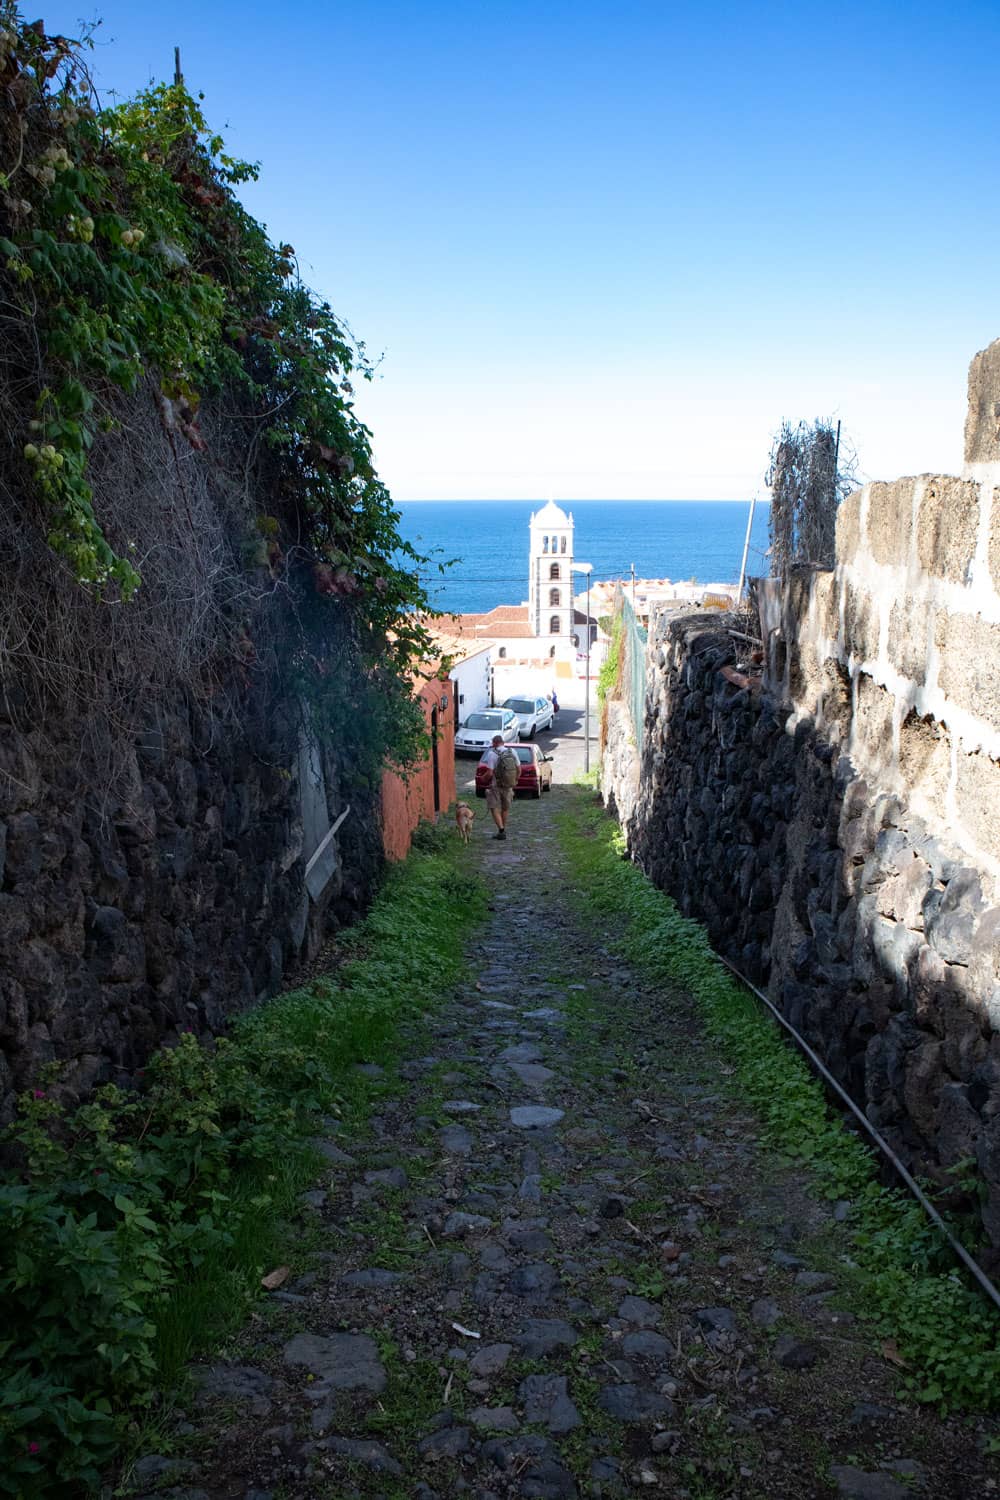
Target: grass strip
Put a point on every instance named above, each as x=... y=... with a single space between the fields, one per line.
x=136 y=1232
x=907 y=1282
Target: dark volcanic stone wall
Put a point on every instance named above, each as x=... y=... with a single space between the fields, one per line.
x=170 y=906
x=716 y=792
x=874 y=936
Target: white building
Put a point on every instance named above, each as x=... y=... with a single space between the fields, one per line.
x=522 y=647
x=473 y=679
x=550 y=581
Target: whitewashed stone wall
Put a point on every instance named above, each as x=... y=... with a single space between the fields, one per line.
x=910 y=620
x=836 y=825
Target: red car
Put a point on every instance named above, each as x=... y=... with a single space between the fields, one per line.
x=536 y=772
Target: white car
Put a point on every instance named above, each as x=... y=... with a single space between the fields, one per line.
x=476 y=734
x=532 y=714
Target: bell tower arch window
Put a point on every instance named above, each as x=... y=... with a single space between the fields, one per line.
x=553 y=570
x=553 y=598
x=554 y=625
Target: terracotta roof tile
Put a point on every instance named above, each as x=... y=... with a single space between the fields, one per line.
x=508 y=612
x=513 y=630
x=504 y=620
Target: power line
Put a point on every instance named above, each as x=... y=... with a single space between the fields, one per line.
x=464 y=577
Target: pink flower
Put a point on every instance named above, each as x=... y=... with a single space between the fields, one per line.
x=38 y=1093
x=34 y=1448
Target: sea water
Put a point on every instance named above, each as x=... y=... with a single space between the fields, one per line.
x=486 y=543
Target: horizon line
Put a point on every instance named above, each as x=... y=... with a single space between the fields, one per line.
x=570 y=500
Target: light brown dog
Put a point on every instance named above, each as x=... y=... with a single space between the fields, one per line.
x=464 y=815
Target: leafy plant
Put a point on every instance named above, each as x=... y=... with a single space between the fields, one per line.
x=649 y=1281
x=610 y=674
x=131 y=276
x=141 y=1222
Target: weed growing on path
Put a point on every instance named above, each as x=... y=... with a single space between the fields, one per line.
x=948 y=1339
x=142 y=1222
x=414 y=1396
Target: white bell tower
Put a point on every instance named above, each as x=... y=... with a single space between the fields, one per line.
x=550 y=578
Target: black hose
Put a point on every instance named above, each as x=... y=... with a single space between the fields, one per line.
x=963 y=1255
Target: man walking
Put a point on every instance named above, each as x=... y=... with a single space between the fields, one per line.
x=498 y=796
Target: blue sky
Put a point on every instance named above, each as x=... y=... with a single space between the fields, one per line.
x=605 y=250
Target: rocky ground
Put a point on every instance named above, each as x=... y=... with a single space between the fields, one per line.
x=559 y=1263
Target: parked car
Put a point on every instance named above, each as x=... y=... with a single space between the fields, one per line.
x=532 y=714
x=473 y=737
x=535 y=777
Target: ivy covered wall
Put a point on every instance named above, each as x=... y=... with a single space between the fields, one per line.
x=199 y=566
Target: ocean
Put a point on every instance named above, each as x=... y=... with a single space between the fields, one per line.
x=488 y=542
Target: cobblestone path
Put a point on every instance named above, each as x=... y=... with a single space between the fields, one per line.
x=559 y=1264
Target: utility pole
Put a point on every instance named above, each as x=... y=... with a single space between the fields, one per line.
x=587 y=568
x=178 y=75
x=746 y=549
x=586 y=691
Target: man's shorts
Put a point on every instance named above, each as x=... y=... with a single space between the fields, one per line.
x=499 y=797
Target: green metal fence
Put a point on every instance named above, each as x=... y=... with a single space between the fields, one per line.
x=634 y=664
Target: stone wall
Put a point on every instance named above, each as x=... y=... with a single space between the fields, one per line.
x=620 y=715
x=178 y=827
x=716 y=788
x=834 y=819
x=619 y=759
x=909 y=623
x=176 y=903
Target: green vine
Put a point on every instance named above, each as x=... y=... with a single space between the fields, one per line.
x=610 y=675
x=129 y=261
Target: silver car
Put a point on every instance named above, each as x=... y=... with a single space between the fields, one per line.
x=532 y=714
x=476 y=734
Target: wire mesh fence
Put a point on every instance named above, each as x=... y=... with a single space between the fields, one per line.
x=634 y=686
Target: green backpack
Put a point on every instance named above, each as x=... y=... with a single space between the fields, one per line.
x=508 y=768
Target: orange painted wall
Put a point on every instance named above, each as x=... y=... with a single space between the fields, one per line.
x=405 y=803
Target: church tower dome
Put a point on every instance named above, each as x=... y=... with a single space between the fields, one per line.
x=550 y=577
